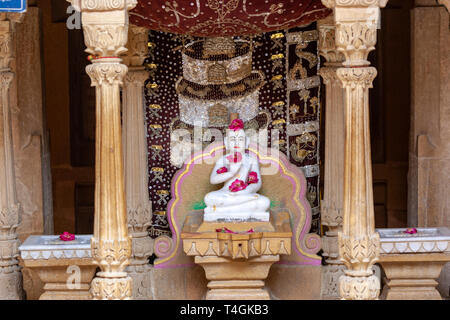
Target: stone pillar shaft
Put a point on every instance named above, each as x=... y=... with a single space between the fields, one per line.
x=356 y=27
x=332 y=205
x=10 y=275
x=105 y=26
x=139 y=209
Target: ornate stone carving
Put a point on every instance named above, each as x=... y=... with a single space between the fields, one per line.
x=359 y=246
x=102 y=5
x=111 y=288
x=330 y=280
x=327 y=42
x=359 y=288
x=10 y=276
x=137 y=47
x=105 y=25
x=356 y=28
x=110 y=72
x=139 y=207
x=111 y=255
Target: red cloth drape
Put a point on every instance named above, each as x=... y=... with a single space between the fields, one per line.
x=212 y=18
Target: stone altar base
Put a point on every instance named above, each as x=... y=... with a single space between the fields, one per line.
x=237 y=263
x=237 y=279
x=55 y=274
x=65 y=267
x=413 y=262
x=413 y=276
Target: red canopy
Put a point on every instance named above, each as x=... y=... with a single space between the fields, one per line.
x=212 y=18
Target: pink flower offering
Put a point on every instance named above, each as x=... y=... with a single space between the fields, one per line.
x=226 y=230
x=66 y=236
x=410 y=231
x=222 y=170
x=237 y=185
x=252 y=177
x=236 y=124
x=235 y=158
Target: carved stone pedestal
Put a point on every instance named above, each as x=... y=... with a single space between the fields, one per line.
x=237 y=279
x=237 y=264
x=413 y=262
x=413 y=276
x=66 y=268
x=55 y=274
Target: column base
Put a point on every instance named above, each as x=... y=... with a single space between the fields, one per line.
x=111 y=288
x=10 y=283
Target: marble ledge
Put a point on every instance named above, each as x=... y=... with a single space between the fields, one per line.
x=51 y=247
x=426 y=240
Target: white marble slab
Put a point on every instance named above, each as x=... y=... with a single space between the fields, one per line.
x=51 y=247
x=426 y=240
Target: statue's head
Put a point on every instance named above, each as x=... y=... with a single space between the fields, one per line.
x=236 y=140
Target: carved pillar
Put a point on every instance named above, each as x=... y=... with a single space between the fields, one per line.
x=359 y=244
x=139 y=207
x=105 y=25
x=333 y=199
x=10 y=275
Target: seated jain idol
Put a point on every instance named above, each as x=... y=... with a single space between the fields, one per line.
x=238 y=200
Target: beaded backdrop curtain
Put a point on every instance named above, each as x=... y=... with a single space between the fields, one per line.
x=271 y=80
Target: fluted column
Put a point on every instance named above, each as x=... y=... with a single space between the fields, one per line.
x=139 y=207
x=332 y=205
x=10 y=275
x=356 y=29
x=105 y=26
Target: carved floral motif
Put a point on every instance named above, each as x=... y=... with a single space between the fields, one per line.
x=111 y=288
x=359 y=288
x=111 y=73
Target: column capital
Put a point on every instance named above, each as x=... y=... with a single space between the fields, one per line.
x=6 y=78
x=105 y=25
x=109 y=71
x=9 y=221
x=357 y=77
x=356 y=28
x=102 y=5
x=136 y=76
x=137 y=46
x=327 y=42
x=329 y=75
x=354 y=3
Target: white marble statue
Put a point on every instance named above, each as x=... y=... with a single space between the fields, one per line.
x=238 y=199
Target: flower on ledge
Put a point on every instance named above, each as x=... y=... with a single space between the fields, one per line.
x=237 y=185
x=410 y=231
x=236 y=124
x=66 y=236
x=252 y=177
x=235 y=158
x=226 y=230
x=222 y=170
